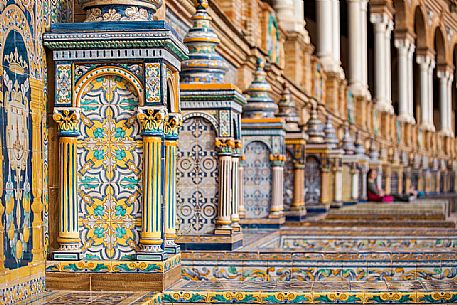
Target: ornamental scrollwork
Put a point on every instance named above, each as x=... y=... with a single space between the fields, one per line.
x=152 y=120
x=68 y=121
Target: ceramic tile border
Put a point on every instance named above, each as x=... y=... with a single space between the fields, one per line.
x=115 y=266
x=289 y=297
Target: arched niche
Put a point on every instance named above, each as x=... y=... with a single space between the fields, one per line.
x=109 y=167
x=197 y=177
x=257 y=180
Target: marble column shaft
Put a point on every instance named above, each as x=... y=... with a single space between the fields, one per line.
x=357 y=15
x=328 y=27
x=426 y=97
x=446 y=79
x=382 y=25
x=405 y=73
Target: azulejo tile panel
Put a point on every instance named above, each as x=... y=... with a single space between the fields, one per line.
x=16 y=147
x=257 y=180
x=109 y=169
x=197 y=178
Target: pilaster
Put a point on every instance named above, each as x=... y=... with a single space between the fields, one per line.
x=69 y=241
x=224 y=148
x=152 y=121
x=172 y=124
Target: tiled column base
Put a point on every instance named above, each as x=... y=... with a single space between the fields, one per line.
x=113 y=275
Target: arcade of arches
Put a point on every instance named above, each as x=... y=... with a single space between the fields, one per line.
x=219 y=151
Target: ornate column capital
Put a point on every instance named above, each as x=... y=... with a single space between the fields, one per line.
x=152 y=120
x=277 y=160
x=224 y=146
x=237 y=149
x=172 y=124
x=68 y=121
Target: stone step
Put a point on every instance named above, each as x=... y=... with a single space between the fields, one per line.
x=385 y=217
x=373 y=223
x=349 y=292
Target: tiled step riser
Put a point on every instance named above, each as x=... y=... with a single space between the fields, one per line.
x=396 y=224
x=299 y=243
x=288 y=297
x=323 y=272
x=378 y=217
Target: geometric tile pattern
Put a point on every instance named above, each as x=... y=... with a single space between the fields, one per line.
x=197 y=178
x=257 y=180
x=312 y=181
x=288 y=181
x=109 y=169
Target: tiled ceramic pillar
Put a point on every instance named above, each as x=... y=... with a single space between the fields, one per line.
x=277 y=198
x=338 y=183
x=354 y=183
x=299 y=191
x=2 y=228
x=325 y=182
x=235 y=217
x=172 y=124
x=152 y=126
x=241 y=210
x=69 y=240
x=224 y=148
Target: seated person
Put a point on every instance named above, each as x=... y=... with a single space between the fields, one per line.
x=374 y=193
x=378 y=195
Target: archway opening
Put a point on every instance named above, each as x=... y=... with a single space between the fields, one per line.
x=439 y=46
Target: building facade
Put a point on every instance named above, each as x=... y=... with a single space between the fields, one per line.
x=91 y=113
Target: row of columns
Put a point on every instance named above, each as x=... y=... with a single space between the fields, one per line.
x=328 y=50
